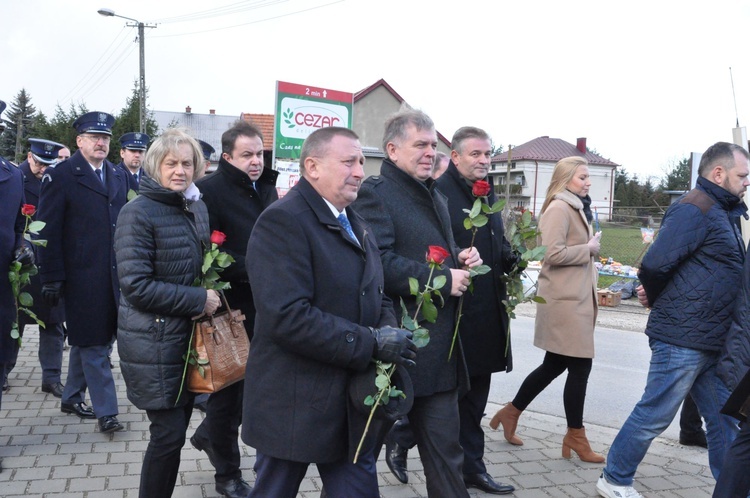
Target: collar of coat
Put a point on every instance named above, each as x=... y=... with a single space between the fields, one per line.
x=153 y=190
x=236 y=175
x=324 y=213
x=727 y=200
x=389 y=170
x=467 y=186
x=570 y=198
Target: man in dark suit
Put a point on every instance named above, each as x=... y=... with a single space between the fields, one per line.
x=235 y=195
x=43 y=153
x=80 y=200
x=132 y=150
x=12 y=247
x=484 y=324
x=407 y=214
x=321 y=317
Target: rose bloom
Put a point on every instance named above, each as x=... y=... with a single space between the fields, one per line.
x=481 y=188
x=436 y=254
x=218 y=237
x=28 y=210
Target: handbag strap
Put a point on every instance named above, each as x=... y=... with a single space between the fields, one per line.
x=226 y=305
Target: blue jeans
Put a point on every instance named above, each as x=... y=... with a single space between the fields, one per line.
x=674 y=371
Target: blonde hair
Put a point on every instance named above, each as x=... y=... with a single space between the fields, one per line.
x=564 y=171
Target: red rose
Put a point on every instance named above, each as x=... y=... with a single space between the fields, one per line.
x=481 y=188
x=218 y=237
x=436 y=254
x=28 y=210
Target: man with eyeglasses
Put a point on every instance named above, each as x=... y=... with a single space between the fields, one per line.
x=80 y=201
x=42 y=153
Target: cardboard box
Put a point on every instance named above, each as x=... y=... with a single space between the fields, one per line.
x=609 y=298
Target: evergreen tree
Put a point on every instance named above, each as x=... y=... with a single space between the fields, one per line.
x=19 y=119
x=678 y=177
x=129 y=121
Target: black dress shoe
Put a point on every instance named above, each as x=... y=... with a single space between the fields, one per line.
x=693 y=439
x=395 y=457
x=233 y=488
x=201 y=444
x=55 y=389
x=79 y=409
x=109 y=424
x=486 y=483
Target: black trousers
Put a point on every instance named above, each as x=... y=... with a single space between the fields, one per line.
x=161 y=462
x=690 y=417
x=220 y=430
x=279 y=478
x=574 y=393
x=471 y=410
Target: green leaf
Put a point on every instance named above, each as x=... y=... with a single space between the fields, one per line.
x=40 y=242
x=439 y=282
x=526 y=218
x=480 y=220
x=413 y=286
x=36 y=226
x=476 y=208
x=498 y=206
x=408 y=323
x=25 y=299
x=132 y=194
x=479 y=270
x=468 y=224
x=421 y=337
x=539 y=299
x=382 y=381
x=429 y=311
x=369 y=401
x=14 y=334
x=395 y=392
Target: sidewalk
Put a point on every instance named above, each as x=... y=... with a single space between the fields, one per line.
x=49 y=454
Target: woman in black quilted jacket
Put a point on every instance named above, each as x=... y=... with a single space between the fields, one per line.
x=159 y=245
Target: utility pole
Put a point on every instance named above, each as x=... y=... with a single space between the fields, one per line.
x=142 y=116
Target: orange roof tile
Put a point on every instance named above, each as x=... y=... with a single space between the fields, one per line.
x=265 y=123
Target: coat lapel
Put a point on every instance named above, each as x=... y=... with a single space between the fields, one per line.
x=85 y=175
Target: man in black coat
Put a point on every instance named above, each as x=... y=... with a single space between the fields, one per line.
x=235 y=194
x=79 y=202
x=132 y=151
x=407 y=214
x=43 y=153
x=484 y=324
x=12 y=247
x=321 y=317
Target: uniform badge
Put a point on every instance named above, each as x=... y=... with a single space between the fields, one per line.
x=47 y=178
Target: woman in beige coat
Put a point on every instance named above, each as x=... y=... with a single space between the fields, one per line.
x=565 y=323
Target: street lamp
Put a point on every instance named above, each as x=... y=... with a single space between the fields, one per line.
x=142 y=90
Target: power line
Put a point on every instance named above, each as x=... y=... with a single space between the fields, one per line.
x=95 y=67
x=105 y=73
x=220 y=11
x=250 y=22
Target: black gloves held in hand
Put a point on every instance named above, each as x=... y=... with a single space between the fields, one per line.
x=394 y=346
x=24 y=255
x=52 y=292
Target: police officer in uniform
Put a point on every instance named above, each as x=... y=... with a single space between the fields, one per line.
x=43 y=154
x=132 y=149
x=80 y=201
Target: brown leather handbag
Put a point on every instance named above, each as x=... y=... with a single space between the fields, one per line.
x=222 y=346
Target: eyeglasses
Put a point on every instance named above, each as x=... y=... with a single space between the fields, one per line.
x=95 y=138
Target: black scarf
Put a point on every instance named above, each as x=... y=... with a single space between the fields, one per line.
x=587 y=207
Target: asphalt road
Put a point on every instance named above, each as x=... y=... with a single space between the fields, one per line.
x=615 y=385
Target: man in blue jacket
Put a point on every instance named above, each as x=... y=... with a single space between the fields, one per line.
x=689 y=278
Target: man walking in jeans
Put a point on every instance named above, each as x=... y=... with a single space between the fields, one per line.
x=689 y=277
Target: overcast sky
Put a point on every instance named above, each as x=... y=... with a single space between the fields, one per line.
x=646 y=82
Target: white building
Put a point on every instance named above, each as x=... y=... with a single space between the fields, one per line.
x=530 y=172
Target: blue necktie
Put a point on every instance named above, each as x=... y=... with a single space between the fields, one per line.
x=99 y=174
x=135 y=177
x=347 y=226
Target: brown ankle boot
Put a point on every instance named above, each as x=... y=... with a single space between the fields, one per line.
x=576 y=440
x=508 y=416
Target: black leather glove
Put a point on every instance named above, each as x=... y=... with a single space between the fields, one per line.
x=52 y=292
x=24 y=255
x=394 y=346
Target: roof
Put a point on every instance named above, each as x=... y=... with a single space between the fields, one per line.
x=381 y=82
x=265 y=123
x=206 y=127
x=550 y=150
